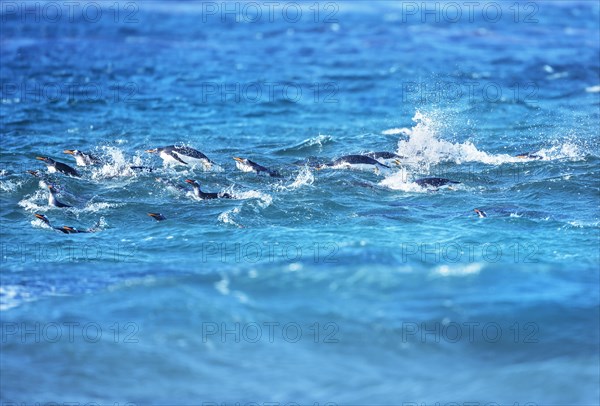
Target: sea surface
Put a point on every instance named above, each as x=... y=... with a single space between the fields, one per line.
x=319 y=287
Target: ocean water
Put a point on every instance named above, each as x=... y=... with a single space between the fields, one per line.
x=323 y=287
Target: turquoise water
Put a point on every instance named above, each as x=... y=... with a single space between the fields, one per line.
x=319 y=287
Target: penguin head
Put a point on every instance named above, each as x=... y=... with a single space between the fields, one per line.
x=42 y=217
x=157 y=216
x=480 y=213
x=45 y=159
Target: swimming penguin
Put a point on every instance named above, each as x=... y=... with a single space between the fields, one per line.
x=67 y=229
x=529 y=155
x=157 y=216
x=204 y=195
x=246 y=165
x=434 y=182
x=182 y=155
x=356 y=162
x=385 y=157
x=480 y=213
x=82 y=158
x=52 y=200
x=55 y=166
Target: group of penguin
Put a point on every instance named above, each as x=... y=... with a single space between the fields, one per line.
x=184 y=155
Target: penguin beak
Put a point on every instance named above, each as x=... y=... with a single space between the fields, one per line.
x=237 y=159
x=190 y=181
x=156 y=216
x=151 y=150
x=68 y=228
x=40 y=158
x=397 y=162
x=40 y=216
x=68 y=151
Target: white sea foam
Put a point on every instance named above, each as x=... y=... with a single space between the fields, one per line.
x=264 y=199
x=94 y=207
x=10 y=185
x=395 y=131
x=228 y=217
x=12 y=296
x=593 y=89
x=400 y=181
x=458 y=269
x=223 y=286
x=33 y=203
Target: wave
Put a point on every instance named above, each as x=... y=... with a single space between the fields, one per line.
x=228 y=217
x=310 y=144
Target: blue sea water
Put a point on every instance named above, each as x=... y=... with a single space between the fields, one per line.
x=322 y=286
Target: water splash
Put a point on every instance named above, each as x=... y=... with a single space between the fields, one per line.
x=426 y=147
x=400 y=181
x=304 y=178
